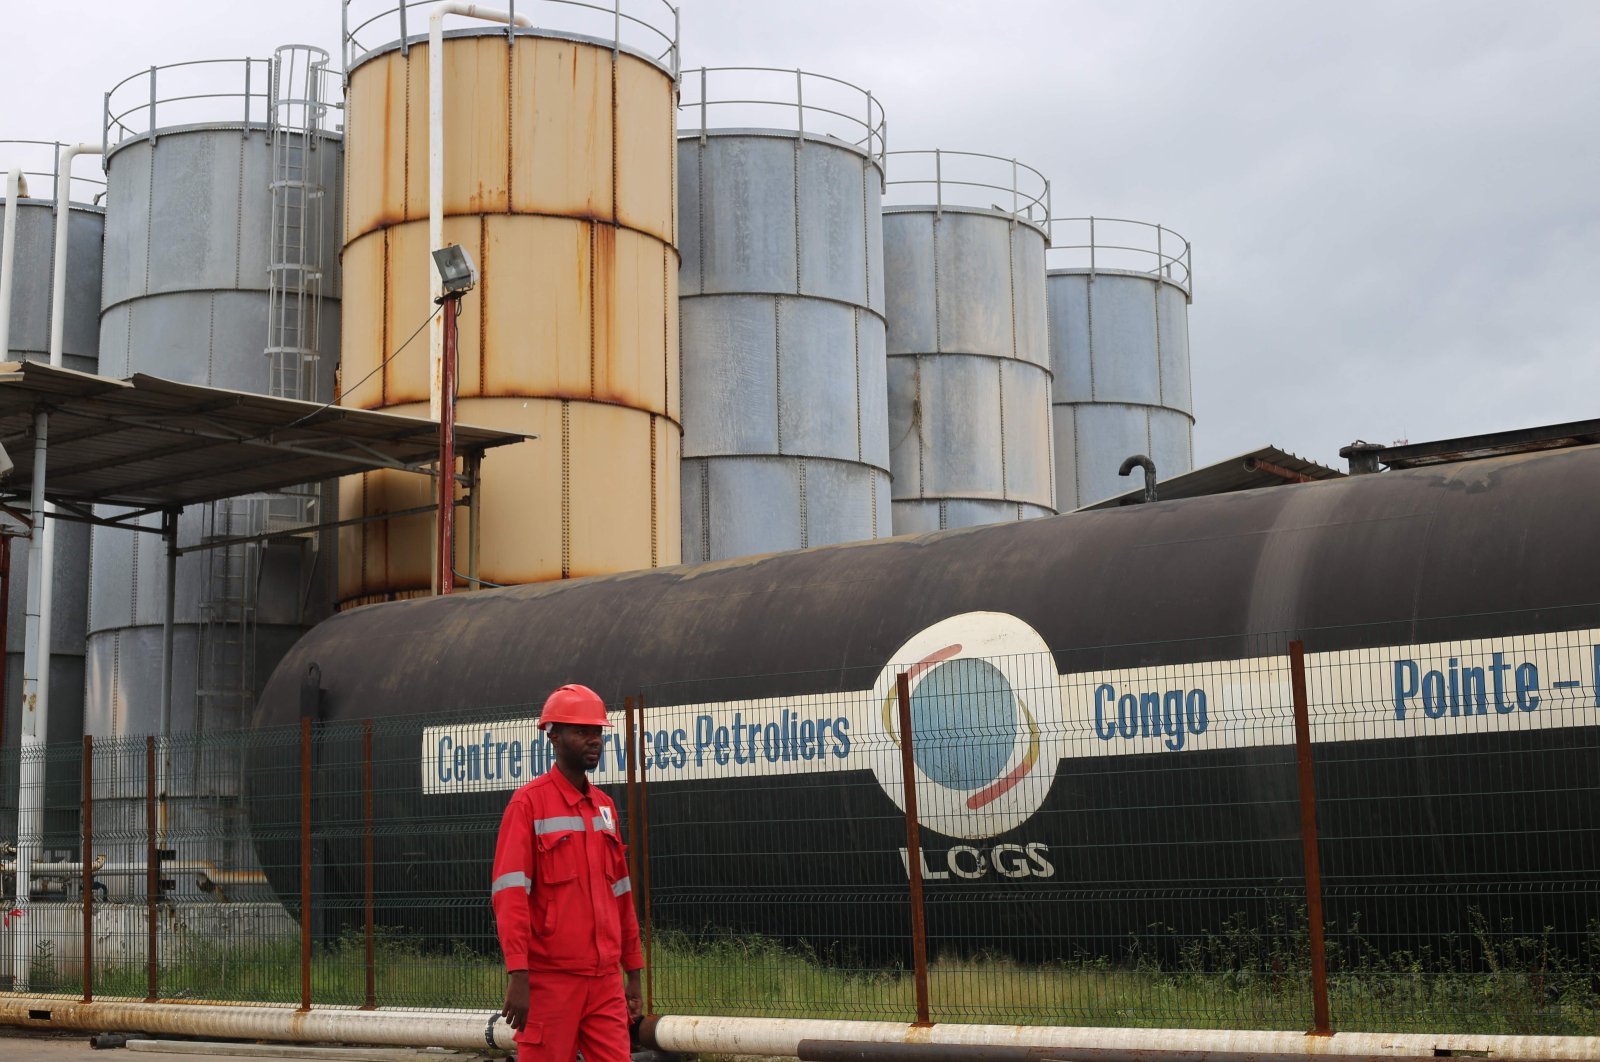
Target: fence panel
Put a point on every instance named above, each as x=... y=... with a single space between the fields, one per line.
x=777 y=881
x=1457 y=791
x=1107 y=836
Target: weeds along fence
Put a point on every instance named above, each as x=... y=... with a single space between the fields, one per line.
x=1360 y=832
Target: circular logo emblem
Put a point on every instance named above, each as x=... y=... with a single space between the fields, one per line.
x=980 y=683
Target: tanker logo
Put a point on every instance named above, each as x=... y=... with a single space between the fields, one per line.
x=976 y=706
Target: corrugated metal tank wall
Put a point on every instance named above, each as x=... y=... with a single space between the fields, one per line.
x=969 y=362
x=786 y=441
x=29 y=340
x=559 y=181
x=1119 y=347
x=188 y=227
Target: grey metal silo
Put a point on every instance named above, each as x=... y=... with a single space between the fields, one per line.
x=28 y=339
x=781 y=301
x=1119 y=294
x=969 y=365
x=222 y=233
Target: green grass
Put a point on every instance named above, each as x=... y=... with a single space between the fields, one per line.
x=1491 y=980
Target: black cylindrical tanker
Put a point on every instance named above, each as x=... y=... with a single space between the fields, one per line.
x=1146 y=779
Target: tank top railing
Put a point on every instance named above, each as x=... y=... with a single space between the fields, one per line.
x=209 y=91
x=649 y=27
x=723 y=97
x=40 y=162
x=942 y=179
x=1092 y=244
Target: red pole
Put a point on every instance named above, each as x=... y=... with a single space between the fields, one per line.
x=5 y=610
x=305 y=863
x=644 y=873
x=447 y=449
x=152 y=871
x=87 y=865
x=919 y=924
x=366 y=857
x=1308 y=840
x=633 y=792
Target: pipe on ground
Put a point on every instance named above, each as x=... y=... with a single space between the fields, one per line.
x=782 y=1036
x=859 y=1051
x=463 y=1030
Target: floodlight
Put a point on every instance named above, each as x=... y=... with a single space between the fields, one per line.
x=456 y=270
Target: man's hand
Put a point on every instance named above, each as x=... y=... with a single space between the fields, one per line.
x=515 y=1011
x=634 y=995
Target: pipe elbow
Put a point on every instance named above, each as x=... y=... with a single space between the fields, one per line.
x=1137 y=461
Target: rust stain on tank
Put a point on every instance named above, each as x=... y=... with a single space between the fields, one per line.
x=604 y=356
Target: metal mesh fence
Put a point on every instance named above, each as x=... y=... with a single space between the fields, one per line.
x=1100 y=837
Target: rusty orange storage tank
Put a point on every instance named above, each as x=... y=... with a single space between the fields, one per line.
x=559 y=156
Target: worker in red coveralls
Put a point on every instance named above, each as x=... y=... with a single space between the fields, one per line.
x=563 y=902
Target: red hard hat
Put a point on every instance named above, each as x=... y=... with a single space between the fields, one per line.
x=573 y=704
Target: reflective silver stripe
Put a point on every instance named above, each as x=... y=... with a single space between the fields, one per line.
x=557 y=824
x=514 y=880
x=622 y=886
x=601 y=826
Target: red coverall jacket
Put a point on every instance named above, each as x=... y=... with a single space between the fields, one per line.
x=561 y=895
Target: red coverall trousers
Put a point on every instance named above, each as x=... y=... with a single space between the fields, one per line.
x=564 y=908
x=574 y=1012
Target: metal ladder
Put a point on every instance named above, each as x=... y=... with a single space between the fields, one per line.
x=229 y=599
x=228 y=614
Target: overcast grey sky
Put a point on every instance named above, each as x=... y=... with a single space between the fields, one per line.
x=1395 y=207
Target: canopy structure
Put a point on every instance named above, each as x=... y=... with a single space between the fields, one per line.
x=144 y=445
x=149 y=444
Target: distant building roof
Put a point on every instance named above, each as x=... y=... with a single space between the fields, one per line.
x=1266 y=467
x=1472 y=447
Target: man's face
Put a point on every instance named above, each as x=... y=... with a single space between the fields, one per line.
x=577 y=746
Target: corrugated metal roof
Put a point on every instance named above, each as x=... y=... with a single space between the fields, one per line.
x=145 y=442
x=1266 y=467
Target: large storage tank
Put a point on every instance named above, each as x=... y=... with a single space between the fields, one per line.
x=969 y=366
x=558 y=180
x=218 y=190
x=1201 y=593
x=1119 y=294
x=29 y=340
x=786 y=439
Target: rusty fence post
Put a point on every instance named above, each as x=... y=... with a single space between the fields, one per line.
x=633 y=789
x=152 y=876
x=369 y=871
x=87 y=866
x=1308 y=840
x=919 y=923
x=630 y=719
x=305 y=863
x=644 y=872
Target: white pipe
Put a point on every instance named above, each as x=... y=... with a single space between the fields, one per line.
x=206 y=869
x=475 y=1030
x=782 y=1036
x=41 y=579
x=16 y=188
x=57 y=868
x=436 y=171
x=30 y=781
x=58 y=330
x=342 y=1054
x=58 y=288
x=463 y=1030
